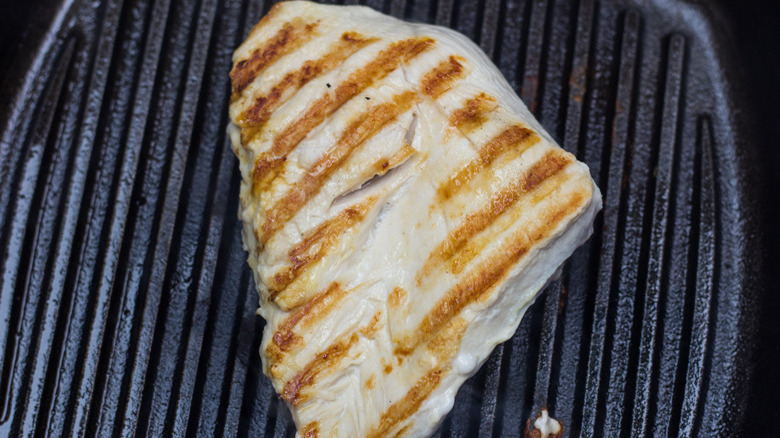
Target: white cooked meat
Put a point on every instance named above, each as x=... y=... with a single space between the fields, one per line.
x=401 y=209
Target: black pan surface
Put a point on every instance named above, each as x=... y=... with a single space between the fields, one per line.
x=127 y=308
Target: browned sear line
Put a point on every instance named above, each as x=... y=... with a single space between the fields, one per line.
x=397 y=297
x=444 y=346
x=515 y=136
x=284 y=338
x=365 y=126
x=409 y=404
x=291 y=36
x=441 y=79
x=383 y=165
x=473 y=113
x=384 y=63
x=404 y=431
x=326 y=361
x=315 y=244
x=323 y=361
x=311 y=430
x=263 y=106
x=371 y=382
x=483 y=278
x=474 y=223
x=546 y=167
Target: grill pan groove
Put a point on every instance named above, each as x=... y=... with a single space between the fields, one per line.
x=672 y=299
x=47 y=343
x=160 y=383
x=616 y=200
x=138 y=52
x=598 y=113
x=21 y=258
x=124 y=270
x=699 y=319
x=219 y=189
x=75 y=224
x=659 y=230
x=40 y=233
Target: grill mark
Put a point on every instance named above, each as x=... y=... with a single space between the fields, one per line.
x=364 y=127
x=263 y=106
x=397 y=297
x=325 y=362
x=410 y=403
x=515 y=138
x=373 y=325
x=290 y=37
x=384 y=165
x=484 y=278
x=473 y=113
x=311 y=430
x=385 y=62
x=381 y=167
x=441 y=78
x=370 y=383
x=404 y=430
x=444 y=346
x=319 y=306
x=315 y=245
x=475 y=246
x=547 y=167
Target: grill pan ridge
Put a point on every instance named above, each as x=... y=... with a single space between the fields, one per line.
x=127 y=307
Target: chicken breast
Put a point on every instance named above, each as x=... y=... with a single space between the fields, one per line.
x=401 y=209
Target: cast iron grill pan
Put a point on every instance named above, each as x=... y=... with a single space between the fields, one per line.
x=127 y=307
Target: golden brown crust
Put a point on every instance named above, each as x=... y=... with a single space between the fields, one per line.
x=313 y=311
x=371 y=382
x=373 y=325
x=481 y=280
x=515 y=139
x=263 y=106
x=473 y=113
x=397 y=297
x=326 y=362
x=409 y=404
x=455 y=243
x=291 y=36
x=384 y=63
x=383 y=165
x=316 y=244
x=362 y=128
x=311 y=430
x=441 y=78
x=444 y=346
x=553 y=162
x=404 y=431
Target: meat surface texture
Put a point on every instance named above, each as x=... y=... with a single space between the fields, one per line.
x=401 y=209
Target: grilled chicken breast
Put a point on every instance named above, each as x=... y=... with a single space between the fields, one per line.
x=401 y=209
